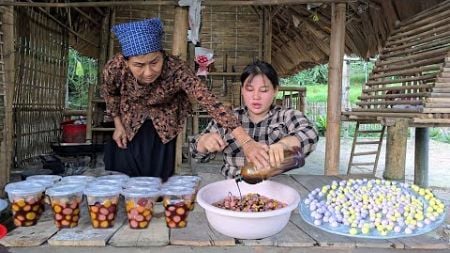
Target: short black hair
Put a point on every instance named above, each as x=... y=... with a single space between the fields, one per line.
x=260 y=67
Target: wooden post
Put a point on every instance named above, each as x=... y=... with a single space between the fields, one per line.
x=7 y=146
x=179 y=48
x=267 y=23
x=345 y=100
x=421 y=157
x=397 y=135
x=112 y=21
x=337 y=42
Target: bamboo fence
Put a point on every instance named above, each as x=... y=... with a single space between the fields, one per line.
x=41 y=66
x=2 y=86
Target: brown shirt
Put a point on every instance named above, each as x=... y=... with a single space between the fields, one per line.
x=166 y=101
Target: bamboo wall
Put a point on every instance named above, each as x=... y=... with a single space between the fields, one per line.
x=41 y=71
x=233 y=32
x=2 y=85
x=239 y=40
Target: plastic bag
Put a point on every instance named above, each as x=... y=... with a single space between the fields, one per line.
x=203 y=57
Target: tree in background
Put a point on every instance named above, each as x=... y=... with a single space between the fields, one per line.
x=82 y=73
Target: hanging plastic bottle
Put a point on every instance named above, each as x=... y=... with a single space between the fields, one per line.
x=293 y=158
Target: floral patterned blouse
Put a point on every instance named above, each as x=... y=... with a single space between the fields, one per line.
x=166 y=101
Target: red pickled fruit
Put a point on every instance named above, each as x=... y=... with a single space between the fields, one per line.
x=142 y=202
x=133 y=224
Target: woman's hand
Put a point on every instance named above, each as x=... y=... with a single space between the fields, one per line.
x=210 y=143
x=257 y=153
x=276 y=154
x=119 y=135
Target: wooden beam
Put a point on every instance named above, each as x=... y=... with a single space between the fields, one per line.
x=179 y=48
x=173 y=3
x=397 y=136
x=84 y=14
x=337 y=43
x=7 y=146
x=267 y=19
x=421 y=157
x=65 y=26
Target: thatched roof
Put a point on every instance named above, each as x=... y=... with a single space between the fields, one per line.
x=300 y=32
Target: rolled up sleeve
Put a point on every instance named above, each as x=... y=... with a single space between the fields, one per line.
x=299 y=126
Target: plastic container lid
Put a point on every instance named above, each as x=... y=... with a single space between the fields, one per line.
x=64 y=190
x=180 y=183
x=142 y=184
x=95 y=190
x=47 y=183
x=121 y=177
x=176 y=191
x=54 y=178
x=195 y=179
x=24 y=188
x=78 y=178
x=144 y=180
x=140 y=193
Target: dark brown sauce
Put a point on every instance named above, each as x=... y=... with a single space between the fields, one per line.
x=239 y=189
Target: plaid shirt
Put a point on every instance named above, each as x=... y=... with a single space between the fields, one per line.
x=278 y=124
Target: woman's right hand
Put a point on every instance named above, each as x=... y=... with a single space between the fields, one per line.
x=210 y=143
x=119 y=135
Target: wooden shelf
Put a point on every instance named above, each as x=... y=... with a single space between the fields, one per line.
x=232 y=74
x=103 y=129
x=98 y=100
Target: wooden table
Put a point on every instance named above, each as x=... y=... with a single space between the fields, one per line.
x=297 y=234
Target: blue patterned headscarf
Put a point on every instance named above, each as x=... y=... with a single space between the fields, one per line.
x=139 y=37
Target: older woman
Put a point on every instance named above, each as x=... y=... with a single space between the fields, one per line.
x=148 y=94
x=277 y=128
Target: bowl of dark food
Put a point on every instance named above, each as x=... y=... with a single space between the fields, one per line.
x=263 y=211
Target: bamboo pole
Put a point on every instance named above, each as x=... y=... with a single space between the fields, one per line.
x=9 y=60
x=179 y=48
x=267 y=16
x=171 y=3
x=112 y=20
x=337 y=43
x=66 y=27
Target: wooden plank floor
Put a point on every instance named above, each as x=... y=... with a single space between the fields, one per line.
x=297 y=233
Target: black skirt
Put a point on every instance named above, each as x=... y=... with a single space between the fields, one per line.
x=145 y=155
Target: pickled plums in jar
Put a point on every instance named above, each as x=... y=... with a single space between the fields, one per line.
x=177 y=201
x=186 y=181
x=65 y=201
x=139 y=204
x=102 y=201
x=26 y=202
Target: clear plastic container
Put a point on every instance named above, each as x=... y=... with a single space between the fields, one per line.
x=65 y=201
x=186 y=181
x=139 y=204
x=26 y=202
x=102 y=203
x=177 y=202
x=54 y=178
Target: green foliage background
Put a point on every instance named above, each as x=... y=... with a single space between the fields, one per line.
x=82 y=73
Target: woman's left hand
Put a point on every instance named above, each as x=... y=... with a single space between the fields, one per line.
x=257 y=153
x=276 y=154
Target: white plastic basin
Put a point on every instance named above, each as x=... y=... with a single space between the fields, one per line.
x=246 y=225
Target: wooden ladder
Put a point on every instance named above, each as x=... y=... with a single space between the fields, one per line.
x=359 y=134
